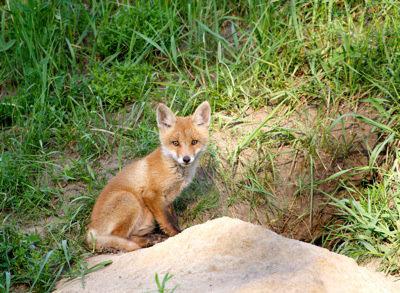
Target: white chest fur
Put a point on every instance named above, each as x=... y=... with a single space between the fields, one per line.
x=189 y=172
x=182 y=177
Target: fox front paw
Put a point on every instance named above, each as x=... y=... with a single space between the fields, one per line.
x=174 y=232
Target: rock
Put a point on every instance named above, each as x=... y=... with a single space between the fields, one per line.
x=229 y=255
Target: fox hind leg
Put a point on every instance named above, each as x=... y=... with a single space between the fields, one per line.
x=111 y=231
x=111 y=242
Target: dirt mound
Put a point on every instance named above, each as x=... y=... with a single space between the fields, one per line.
x=229 y=255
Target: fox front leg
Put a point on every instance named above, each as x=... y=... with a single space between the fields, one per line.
x=173 y=216
x=162 y=214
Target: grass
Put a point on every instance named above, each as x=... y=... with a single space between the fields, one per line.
x=79 y=82
x=369 y=218
x=161 y=286
x=369 y=225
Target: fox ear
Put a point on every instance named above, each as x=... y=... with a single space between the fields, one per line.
x=165 y=117
x=202 y=115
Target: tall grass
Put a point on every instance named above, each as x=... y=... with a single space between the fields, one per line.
x=79 y=81
x=368 y=226
x=368 y=223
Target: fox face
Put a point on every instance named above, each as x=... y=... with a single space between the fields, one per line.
x=183 y=138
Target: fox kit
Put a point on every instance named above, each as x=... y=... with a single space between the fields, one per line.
x=143 y=192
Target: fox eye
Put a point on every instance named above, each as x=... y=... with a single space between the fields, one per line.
x=175 y=143
x=194 y=141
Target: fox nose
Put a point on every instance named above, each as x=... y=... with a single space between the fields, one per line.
x=186 y=159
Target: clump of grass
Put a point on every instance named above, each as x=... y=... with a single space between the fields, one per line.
x=20 y=184
x=368 y=226
x=31 y=261
x=121 y=83
x=131 y=29
x=23 y=257
x=43 y=41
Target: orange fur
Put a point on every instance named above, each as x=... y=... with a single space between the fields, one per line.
x=143 y=191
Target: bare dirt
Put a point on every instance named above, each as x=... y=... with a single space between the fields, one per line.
x=333 y=146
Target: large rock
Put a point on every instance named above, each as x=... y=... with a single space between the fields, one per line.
x=229 y=255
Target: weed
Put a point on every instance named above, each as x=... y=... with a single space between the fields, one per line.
x=161 y=286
